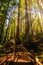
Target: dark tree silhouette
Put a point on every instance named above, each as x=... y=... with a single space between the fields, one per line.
x=17 y=33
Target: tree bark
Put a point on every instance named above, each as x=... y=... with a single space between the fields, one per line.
x=26 y=18
x=17 y=33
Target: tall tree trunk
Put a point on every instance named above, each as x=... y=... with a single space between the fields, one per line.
x=17 y=33
x=26 y=18
x=28 y=30
x=30 y=21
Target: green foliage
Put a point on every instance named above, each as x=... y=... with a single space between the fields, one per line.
x=7 y=31
x=1 y=46
x=3 y=12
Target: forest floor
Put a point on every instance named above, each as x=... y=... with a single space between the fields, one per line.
x=20 y=55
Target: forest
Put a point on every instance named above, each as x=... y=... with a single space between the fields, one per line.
x=21 y=31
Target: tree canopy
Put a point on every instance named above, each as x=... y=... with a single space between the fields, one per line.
x=22 y=21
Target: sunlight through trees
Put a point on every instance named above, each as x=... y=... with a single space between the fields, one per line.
x=22 y=21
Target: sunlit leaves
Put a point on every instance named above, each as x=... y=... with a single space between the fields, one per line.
x=35 y=3
x=22 y=4
x=14 y=15
x=30 y=2
x=36 y=25
x=3 y=9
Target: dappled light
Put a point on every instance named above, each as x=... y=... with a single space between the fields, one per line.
x=21 y=32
